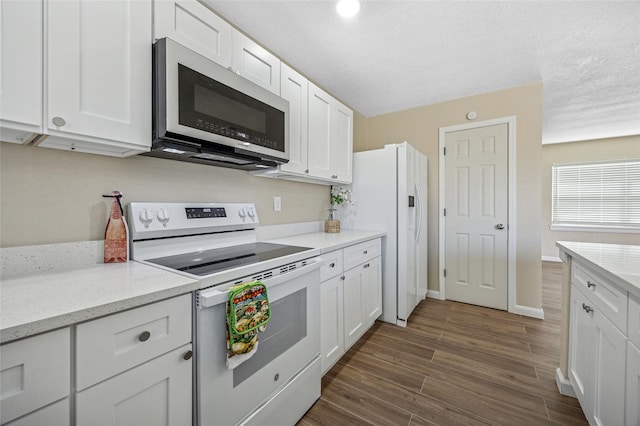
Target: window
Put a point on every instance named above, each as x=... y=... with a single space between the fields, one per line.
x=600 y=196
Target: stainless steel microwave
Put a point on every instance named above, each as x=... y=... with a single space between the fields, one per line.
x=207 y=114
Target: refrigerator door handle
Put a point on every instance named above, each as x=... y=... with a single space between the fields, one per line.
x=419 y=208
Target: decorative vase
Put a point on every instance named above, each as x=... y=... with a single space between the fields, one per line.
x=332 y=225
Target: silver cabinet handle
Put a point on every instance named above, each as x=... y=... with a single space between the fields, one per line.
x=587 y=308
x=590 y=284
x=58 y=121
x=500 y=226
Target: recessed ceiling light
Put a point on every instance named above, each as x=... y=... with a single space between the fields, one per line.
x=348 y=8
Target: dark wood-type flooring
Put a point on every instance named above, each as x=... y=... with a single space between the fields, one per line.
x=454 y=364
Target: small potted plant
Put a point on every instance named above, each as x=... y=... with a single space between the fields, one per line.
x=339 y=196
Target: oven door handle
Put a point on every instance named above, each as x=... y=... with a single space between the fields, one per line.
x=214 y=296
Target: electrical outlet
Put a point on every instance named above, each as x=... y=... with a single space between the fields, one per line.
x=277 y=204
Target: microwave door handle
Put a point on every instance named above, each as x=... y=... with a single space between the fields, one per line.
x=216 y=295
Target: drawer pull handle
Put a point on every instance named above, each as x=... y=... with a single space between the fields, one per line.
x=342 y=278
x=366 y=265
x=590 y=284
x=144 y=336
x=187 y=356
x=365 y=252
x=332 y=265
x=587 y=308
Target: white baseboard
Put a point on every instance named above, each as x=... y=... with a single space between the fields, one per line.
x=551 y=259
x=564 y=385
x=434 y=294
x=528 y=311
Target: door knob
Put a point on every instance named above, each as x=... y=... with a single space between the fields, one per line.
x=500 y=226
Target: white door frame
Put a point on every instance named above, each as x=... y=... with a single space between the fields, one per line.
x=511 y=200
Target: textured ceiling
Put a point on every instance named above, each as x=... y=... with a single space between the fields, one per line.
x=397 y=55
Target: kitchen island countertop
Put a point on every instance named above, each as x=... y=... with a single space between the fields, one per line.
x=620 y=263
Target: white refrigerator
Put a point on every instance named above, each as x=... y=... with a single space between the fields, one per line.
x=390 y=193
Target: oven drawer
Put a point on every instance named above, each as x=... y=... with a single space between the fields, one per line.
x=360 y=253
x=332 y=265
x=115 y=343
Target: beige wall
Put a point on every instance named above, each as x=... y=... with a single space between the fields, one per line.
x=420 y=126
x=577 y=152
x=52 y=196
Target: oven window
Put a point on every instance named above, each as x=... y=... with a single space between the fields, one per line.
x=288 y=326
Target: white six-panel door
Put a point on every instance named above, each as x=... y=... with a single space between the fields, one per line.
x=476 y=200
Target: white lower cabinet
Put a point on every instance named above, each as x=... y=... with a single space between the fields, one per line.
x=350 y=299
x=633 y=385
x=135 y=367
x=35 y=372
x=156 y=393
x=598 y=354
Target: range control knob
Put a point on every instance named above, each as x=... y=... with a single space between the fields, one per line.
x=242 y=213
x=163 y=217
x=146 y=218
x=250 y=212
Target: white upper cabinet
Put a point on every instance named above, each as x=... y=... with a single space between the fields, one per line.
x=193 y=25
x=255 y=63
x=294 y=89
x=20 y=70
x=341 y=143
x=330 y=137
x=99 y=76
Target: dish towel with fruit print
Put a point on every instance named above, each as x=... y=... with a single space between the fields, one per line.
x=248 y=312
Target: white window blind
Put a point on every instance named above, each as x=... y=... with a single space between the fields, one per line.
x=597 y=195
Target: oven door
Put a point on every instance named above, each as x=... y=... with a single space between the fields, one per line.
x=290 y=343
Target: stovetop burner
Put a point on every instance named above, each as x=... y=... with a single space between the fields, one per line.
x=210 y=261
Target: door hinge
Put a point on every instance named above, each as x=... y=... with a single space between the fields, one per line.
x=445 y=272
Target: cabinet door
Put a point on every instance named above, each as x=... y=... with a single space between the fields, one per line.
x=609 y=374
x=354 y=314
x=255 y=63
x=98 y=75
x=155 y=393
x=294 y=89
x=633 y=385
x=56 y=414
x=20 y=69
x=319 y=132
x=372 y=290
x=331 y=322
x=341 y=143
x=193 y=25
x=581 y=346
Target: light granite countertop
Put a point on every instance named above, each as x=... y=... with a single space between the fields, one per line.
x=35 y=297
x=619 y=263
x=39 y=302
x=328 y=242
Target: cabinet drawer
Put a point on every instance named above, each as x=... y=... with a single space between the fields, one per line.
x=634 y=320
x=360 y=253
x=332 y=265
x=35 y=372
x=607 y=298
x=110 y=345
